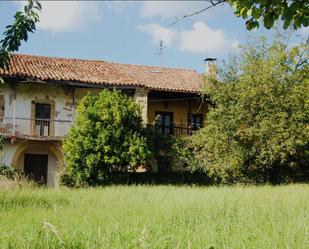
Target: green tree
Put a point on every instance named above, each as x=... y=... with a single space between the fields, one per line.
x=17 y=32
x=107 y=136
x=258 y=126
x=293 y=13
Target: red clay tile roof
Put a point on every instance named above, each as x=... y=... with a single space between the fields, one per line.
x=103 y=73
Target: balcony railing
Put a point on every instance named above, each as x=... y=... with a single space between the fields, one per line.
x=175 y=130
x=57 y=129
x=34 y=128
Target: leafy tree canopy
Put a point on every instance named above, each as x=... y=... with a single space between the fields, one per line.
x=258 y=126
x=18 y=31
x=107 y=135
x=293 y=13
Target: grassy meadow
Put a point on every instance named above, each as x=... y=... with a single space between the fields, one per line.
x=156 y=217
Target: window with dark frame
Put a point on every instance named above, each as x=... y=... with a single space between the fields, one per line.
x=195 y=121
x=165 y=122
x=42 y=119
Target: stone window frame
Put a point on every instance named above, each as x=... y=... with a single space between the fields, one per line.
x=52 y=115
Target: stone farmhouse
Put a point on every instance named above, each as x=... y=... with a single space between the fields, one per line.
x=40 y=94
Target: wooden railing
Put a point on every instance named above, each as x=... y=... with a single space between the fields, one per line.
x=35 y=128
x=183 y=131
x=57 y=129
x=174 y=130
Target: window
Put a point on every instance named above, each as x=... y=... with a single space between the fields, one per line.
x=195 y=121
x=165 y=122
x=42 y=119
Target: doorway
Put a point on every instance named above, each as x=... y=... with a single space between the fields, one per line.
x=35 y=166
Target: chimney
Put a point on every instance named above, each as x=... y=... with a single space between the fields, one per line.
x=210 y=67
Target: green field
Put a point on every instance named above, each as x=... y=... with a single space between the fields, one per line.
x=156 y=217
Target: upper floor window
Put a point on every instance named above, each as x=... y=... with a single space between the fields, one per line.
x=42 y=111
x=165 y=122
x=42 y=119
x=195 y=121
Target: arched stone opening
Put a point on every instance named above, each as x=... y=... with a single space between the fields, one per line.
x=31 y=154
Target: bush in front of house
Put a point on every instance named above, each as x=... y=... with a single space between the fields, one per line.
x=162 y=147
x=106 y=136
x=149 y=178
x=257 y=129
x=12 y=178
x=9 y=172
x=161 y=178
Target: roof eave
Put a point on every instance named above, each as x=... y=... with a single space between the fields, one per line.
x=101 y=85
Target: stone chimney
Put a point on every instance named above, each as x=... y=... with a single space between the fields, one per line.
x=210 y=67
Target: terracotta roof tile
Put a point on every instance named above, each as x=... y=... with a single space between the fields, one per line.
x=103 y=73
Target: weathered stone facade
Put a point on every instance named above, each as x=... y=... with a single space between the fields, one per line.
x=24 y=134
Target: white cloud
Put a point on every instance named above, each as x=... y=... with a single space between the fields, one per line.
x=67 y=15
x=203 y=39
x=118 y=6
x=170 y=9
x=159 y=33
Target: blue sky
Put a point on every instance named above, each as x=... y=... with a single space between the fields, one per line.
x=130 y=32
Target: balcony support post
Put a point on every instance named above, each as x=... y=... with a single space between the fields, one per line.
x=14 y=112
x=141 y=97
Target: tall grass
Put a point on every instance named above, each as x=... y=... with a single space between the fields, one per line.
x=156 y=217
x=15 y=183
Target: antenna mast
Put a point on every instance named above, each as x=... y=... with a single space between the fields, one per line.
x=161 y=53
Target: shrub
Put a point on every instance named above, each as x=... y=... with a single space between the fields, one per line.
x=163 y=178
x=9 y=172
x=162 y=147
x=258 y=127
x=149 y=178
x=11 y=178
x=64 y=179
x=107 y=136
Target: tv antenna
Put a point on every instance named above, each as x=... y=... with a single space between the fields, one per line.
x=161 y=53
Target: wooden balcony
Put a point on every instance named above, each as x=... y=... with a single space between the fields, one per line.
x=34 y=129
x=175 y=130
x=45 y=129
